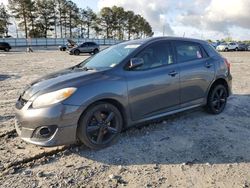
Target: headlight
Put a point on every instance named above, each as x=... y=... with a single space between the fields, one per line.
x=53 y=97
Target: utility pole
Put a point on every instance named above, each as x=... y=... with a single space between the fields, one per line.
x=163 y=31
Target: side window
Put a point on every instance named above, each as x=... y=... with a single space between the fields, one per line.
x=156 y=55
x=92 y=44
x=83 y=45
x=188 y=51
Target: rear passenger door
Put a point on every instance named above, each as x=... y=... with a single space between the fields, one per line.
x=197 y=71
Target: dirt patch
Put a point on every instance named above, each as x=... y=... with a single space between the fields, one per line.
x=190 y=149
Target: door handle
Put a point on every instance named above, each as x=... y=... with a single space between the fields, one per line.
x=208 y=65
x=172 y=73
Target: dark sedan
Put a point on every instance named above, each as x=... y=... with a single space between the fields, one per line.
x=126 y=84
x=5 y=46
x=243 y=47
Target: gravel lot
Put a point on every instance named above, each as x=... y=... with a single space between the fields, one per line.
x=190 y=149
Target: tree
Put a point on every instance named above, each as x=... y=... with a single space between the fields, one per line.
x=106 y=20
x=129 y=23
x=72 y=12
x=4 y=20
x=61 y=10
x=119 y=19
x=88 y=18
x=20 y=11
x=45 y=12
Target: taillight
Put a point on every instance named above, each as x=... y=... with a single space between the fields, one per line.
x=227 y=64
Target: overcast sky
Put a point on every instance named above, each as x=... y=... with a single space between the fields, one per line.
x=206 y=19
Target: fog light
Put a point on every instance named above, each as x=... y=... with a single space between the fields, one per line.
x=44 y=131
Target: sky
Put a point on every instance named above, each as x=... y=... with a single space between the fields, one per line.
x=204 y=19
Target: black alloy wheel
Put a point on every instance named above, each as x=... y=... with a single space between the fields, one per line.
x=217 y=99
x=100 y=125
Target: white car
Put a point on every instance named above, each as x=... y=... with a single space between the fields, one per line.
x=228 y=47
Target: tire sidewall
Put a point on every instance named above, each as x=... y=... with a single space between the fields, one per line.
x=210 y=99
x=83 y=121
x=76 y=52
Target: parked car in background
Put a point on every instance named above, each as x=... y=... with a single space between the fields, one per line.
x=63 y=47
x=123 y=85
x=214 y=44
x=70 y=44
x=232 y=46
x=248 y=48
x=86 y=47
x=243 y=47
x=5 y=46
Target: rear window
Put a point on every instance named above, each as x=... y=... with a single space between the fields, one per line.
x=188 y=51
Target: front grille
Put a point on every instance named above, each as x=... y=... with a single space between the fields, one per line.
x=20 y=103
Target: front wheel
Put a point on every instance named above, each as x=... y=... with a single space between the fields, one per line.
x=217 y=99
x=100 y=125
x=76 y=52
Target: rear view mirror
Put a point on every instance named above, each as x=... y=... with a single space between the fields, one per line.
x=135 y=62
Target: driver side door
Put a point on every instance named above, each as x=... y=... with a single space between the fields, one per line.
x=154 y=87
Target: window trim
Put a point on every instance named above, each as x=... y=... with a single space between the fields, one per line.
x=150 y=44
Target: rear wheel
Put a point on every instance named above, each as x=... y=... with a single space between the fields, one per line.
x=77 y=52
x=6 y=49
x=226 y=49
x=217 y=99
x=100 y=125
x=236 y=49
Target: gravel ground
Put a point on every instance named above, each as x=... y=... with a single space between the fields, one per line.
x=190 y=149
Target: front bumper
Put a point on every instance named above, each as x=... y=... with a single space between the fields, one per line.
x=220 y=48
x=63 y=119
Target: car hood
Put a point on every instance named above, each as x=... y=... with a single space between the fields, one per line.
x=70 y=77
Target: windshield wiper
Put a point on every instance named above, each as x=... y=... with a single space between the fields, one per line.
x=83 y=68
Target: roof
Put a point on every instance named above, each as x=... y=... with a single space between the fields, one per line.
x=151 y=39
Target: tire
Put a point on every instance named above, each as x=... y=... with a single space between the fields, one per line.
x=217 y=99
x=76 y=52
x=100 y=125
x=95 y=51
x=236 y=49
x=6 y=49
x=226 y=50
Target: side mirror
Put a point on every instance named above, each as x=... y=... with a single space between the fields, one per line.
x=135 y=62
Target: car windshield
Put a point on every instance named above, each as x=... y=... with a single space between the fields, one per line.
x=109 y=57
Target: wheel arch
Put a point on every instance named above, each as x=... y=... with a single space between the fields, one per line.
x=114 y=102
x=217 y=82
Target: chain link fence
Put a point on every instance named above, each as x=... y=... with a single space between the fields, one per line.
x=23 y=42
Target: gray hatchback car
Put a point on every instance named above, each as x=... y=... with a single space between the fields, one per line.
x=86 y=47
x=123 y=85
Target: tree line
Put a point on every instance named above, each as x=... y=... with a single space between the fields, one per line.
x=63 y=18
